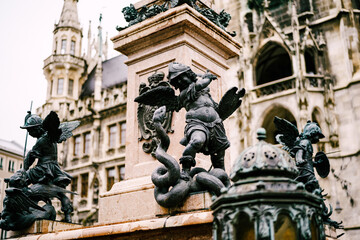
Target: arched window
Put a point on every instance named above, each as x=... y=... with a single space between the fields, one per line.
x=249 y=22
x=355 y=4
x=269 y=125
x=314 y=229
x=310 y=62
x=63 y=46
x=244 y=228
x=285 y=228
x=72 y=46
x=55 y=46
x=318 y=117
x=273 y=63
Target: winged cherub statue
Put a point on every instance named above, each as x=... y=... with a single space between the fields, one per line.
x=204 y=131
x=300 y=147
x=49 y=133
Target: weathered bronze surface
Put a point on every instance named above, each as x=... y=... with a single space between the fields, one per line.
x=146 y=112
x=265 y=202
x=29 y=186
x=204 y=133
x=133 y=16
x=300 y=147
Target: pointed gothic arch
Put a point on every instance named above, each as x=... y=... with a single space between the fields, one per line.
x=273 y=62
x=268 y=122
x=311 y=64
x=318 y=117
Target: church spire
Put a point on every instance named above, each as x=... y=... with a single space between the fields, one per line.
x=69 y=15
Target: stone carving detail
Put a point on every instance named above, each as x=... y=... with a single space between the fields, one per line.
x=275 y=87
x=21 y=204
x=133 y=16
x=146 y=112
x=260 y=5
x=265 y=218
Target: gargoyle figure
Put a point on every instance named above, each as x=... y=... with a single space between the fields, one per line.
x=300 y=147
x=21 y=207
x=47 y=170
x=204 y=131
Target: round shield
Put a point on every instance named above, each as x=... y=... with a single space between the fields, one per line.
x=322 y=164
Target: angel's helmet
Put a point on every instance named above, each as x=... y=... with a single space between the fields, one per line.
x=312 y=129
x=33 y=124
x=31 y=120
x=178 y=69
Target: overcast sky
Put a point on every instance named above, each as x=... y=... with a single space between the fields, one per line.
x=26 y=41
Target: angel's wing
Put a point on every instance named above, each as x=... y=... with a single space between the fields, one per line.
x=51 y=125
x=17 y=201
x=230 y=102
x=66 y=130
x=160 y=96
x=288 y=133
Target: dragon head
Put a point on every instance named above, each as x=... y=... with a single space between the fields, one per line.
x=18 y=179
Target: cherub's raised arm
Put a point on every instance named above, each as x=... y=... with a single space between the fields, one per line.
x=205 y=80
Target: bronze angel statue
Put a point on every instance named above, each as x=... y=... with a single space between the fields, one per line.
x=204 y=132
x=46 y=178
x=300 y=147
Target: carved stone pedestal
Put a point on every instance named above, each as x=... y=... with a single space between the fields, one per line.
x=182 y=35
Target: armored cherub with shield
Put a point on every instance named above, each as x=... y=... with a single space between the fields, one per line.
x=300 y=147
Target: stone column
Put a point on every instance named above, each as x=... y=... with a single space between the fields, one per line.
x=183 y=35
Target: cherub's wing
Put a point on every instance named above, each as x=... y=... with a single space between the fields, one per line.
x=18 y=201
x=230 y=102
x=288 y=133
x=66 y=130
x=51 y=125
x=160 y=96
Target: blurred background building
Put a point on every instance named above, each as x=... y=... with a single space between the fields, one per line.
x=11 y=160
x=300 y=61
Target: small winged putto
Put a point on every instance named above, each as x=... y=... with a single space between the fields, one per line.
x=300 y=147
x=47 y=170
x=204 y=131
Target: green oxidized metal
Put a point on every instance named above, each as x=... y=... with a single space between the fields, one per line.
x=264 y=201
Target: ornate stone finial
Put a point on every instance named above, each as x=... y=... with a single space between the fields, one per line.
x=261 y=134
x=69 y=15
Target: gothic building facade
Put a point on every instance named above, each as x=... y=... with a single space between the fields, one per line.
x=300 y=61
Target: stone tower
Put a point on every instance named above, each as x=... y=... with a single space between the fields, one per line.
x=65 y=68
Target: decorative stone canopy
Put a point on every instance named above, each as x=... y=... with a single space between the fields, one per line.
x=263 y=159
x=265 y=202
